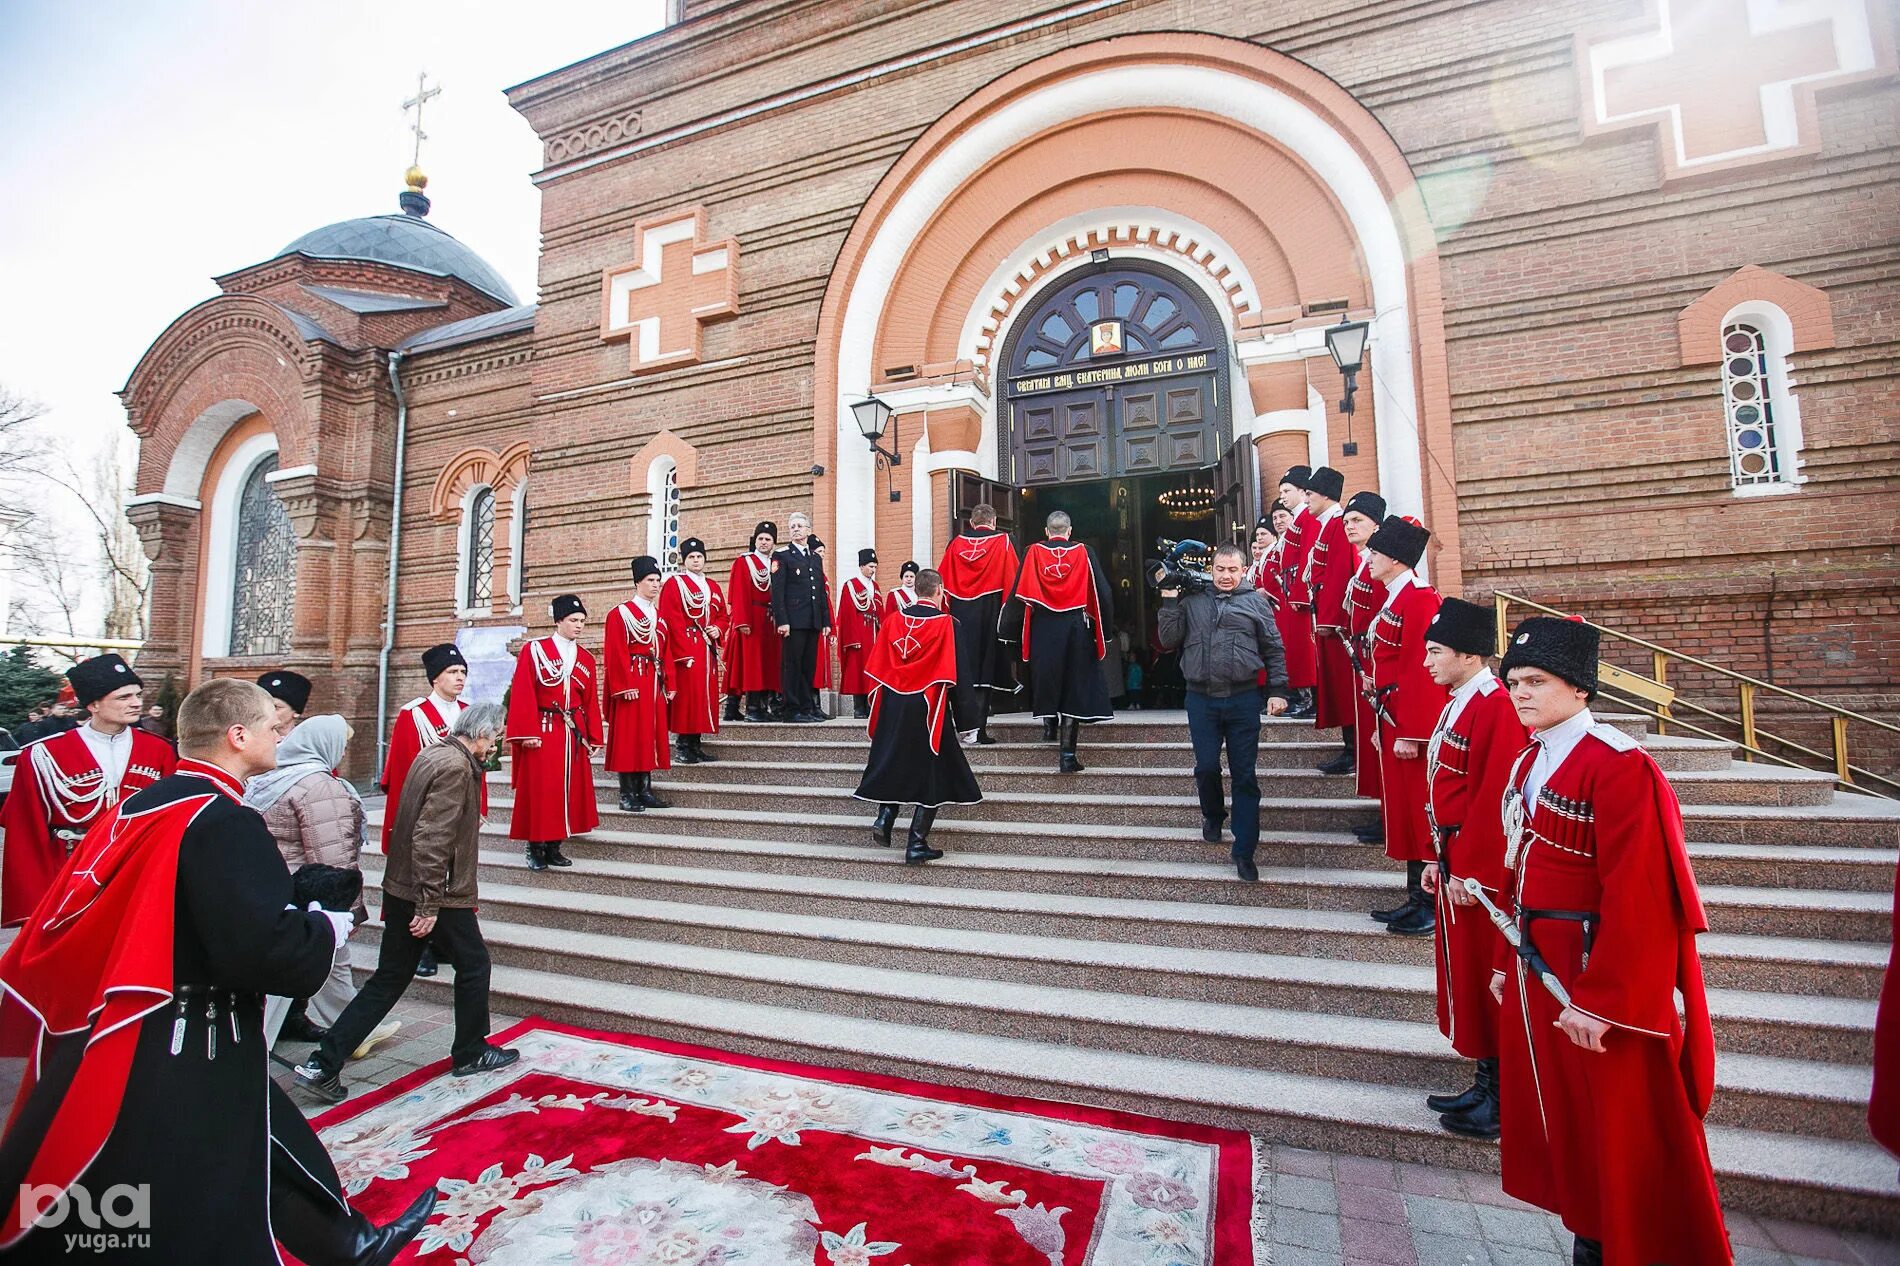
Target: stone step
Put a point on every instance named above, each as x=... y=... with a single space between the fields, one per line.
x=1827 y=968
x=1845 y=1183
x=1838 y=1031
x=1126 y=727
x=1846 y=819
x=1156 y=779
x=736 y=745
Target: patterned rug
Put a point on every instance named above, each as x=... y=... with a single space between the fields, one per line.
x=608 y=1150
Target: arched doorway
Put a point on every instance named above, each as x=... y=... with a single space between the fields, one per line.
x=1120 y=371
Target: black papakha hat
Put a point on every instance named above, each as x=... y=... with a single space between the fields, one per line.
x=1369 y=504
x=1465 y=627
x=565 y=605
x=910 y=567
x=95 y=678
x=1400 y=540
x=866 y=556
x=1567 y=648
x=1297 y=476
x=1327 y=482
x=691 y=545
x=292 y=688
x=644 y=566
x=439 y=659
x=767 y=528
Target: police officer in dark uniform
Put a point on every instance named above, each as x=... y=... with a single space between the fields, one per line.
x=801 y=608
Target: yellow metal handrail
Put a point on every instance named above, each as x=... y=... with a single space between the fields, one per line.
x=1654 y=697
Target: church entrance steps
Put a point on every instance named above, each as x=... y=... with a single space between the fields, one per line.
x=1127 y=727
x=1162 y=777
x=1845 y=819
x=1303 y=1015
x=1791 y=964
x=1841 y=1182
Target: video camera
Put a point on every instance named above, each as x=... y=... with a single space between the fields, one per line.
x=1172 y=571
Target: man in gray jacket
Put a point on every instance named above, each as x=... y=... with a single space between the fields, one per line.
x=428 y=895
x=1230 y=648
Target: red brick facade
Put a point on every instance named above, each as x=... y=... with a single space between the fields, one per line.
x=1564 y=262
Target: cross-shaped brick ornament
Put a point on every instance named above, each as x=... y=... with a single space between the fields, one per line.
x=676 y=283
x=1728 y=82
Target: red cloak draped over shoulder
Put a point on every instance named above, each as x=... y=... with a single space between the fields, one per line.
x=915 y=655
x=1057 y=576
x=978 y=564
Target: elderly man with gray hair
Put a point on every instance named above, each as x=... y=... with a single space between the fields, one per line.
x=429 y=897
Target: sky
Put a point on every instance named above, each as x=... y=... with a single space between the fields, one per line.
x=147 y=146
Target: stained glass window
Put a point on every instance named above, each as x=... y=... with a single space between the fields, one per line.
x=480 y=526
x=1754 y=451
x=263 y=583
x=668 y=512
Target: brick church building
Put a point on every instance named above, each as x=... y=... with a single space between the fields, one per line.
x=1632 y=287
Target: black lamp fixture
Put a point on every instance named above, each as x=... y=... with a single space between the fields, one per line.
x=1346 y=342
x=873 y=416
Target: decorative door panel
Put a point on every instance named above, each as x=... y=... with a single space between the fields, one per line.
x=1114 y=370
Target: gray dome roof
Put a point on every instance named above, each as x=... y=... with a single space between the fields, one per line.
x=403 y=241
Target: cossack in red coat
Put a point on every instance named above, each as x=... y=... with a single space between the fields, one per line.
x=1296 y=630
x=1407 y=702
x=1363 y=597
x=1467 y=768
x=637 y=654
x=560 y=708
x=859 y=606
x=1329 y=569
x=422 y=723
x=1296 y=627
x=752 y=655
x=59 y=791
x=1611 y=1141
x=693 y=610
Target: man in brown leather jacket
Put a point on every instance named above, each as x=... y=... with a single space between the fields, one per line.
x=429 y=896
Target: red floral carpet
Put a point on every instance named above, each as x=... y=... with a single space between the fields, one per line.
x=607 y=1150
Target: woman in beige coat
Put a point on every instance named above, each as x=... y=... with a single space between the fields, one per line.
x=317 y=817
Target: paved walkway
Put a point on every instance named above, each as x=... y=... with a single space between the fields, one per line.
x=1312 y=1208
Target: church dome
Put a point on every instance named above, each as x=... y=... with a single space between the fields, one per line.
x=403 y=241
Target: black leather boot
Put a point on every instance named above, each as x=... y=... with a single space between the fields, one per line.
x=917 y=848
x=644 y=787
x=1048 y=729
x=426 y=966
x=551 y=854
x=1482 y=1119
x=1459 y=1102
x=861 y=707
x=1414 y=879
x=699 y=749
x=1587 y=1253
x=1301 y=707
x=732 y=712
x=755 y=707
x=1372 y=832
x=983 y=736
x=322 y=1233
x=683 y=750
x=535 y=860
x=628 y=801
x=1066 y=762
x=1420 y=917
x=1346 y=761
x=881 y=825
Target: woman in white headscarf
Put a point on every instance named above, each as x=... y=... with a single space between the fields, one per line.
x=316 y=817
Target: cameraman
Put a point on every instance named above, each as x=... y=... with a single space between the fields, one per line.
x=1226 y=635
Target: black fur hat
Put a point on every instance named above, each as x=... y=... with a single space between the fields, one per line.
x=1465 y=627
x=1400 y=539
x=1567 y=648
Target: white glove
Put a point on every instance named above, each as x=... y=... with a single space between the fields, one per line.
x=341 y=921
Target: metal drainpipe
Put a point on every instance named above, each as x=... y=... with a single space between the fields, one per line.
x=395 y=547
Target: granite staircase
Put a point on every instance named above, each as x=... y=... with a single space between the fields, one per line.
x=1081 y=942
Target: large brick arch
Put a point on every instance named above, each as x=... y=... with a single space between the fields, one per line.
x=907 y=281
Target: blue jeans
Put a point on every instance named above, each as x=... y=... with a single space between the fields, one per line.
x=1235 y=721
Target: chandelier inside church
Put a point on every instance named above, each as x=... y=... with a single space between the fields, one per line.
x=1187 y=504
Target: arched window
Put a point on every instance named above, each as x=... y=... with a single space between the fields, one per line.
x=478 y=549
x=1757 y=406
x=517 y=545
x=663 y=521
x=263 y=579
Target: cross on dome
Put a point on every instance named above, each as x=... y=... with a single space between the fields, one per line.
x=1726 y=82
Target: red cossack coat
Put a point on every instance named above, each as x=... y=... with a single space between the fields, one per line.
x=1467 y=767
x=422 y=723
x=1296 y=624
x=694 y=612
x=1408 y=702
x=554 y=781
x=1611 y=1141
x=754 y=648
x=1329 y=570
x=859 y=606
x=1363 y=597
x=637 y=655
